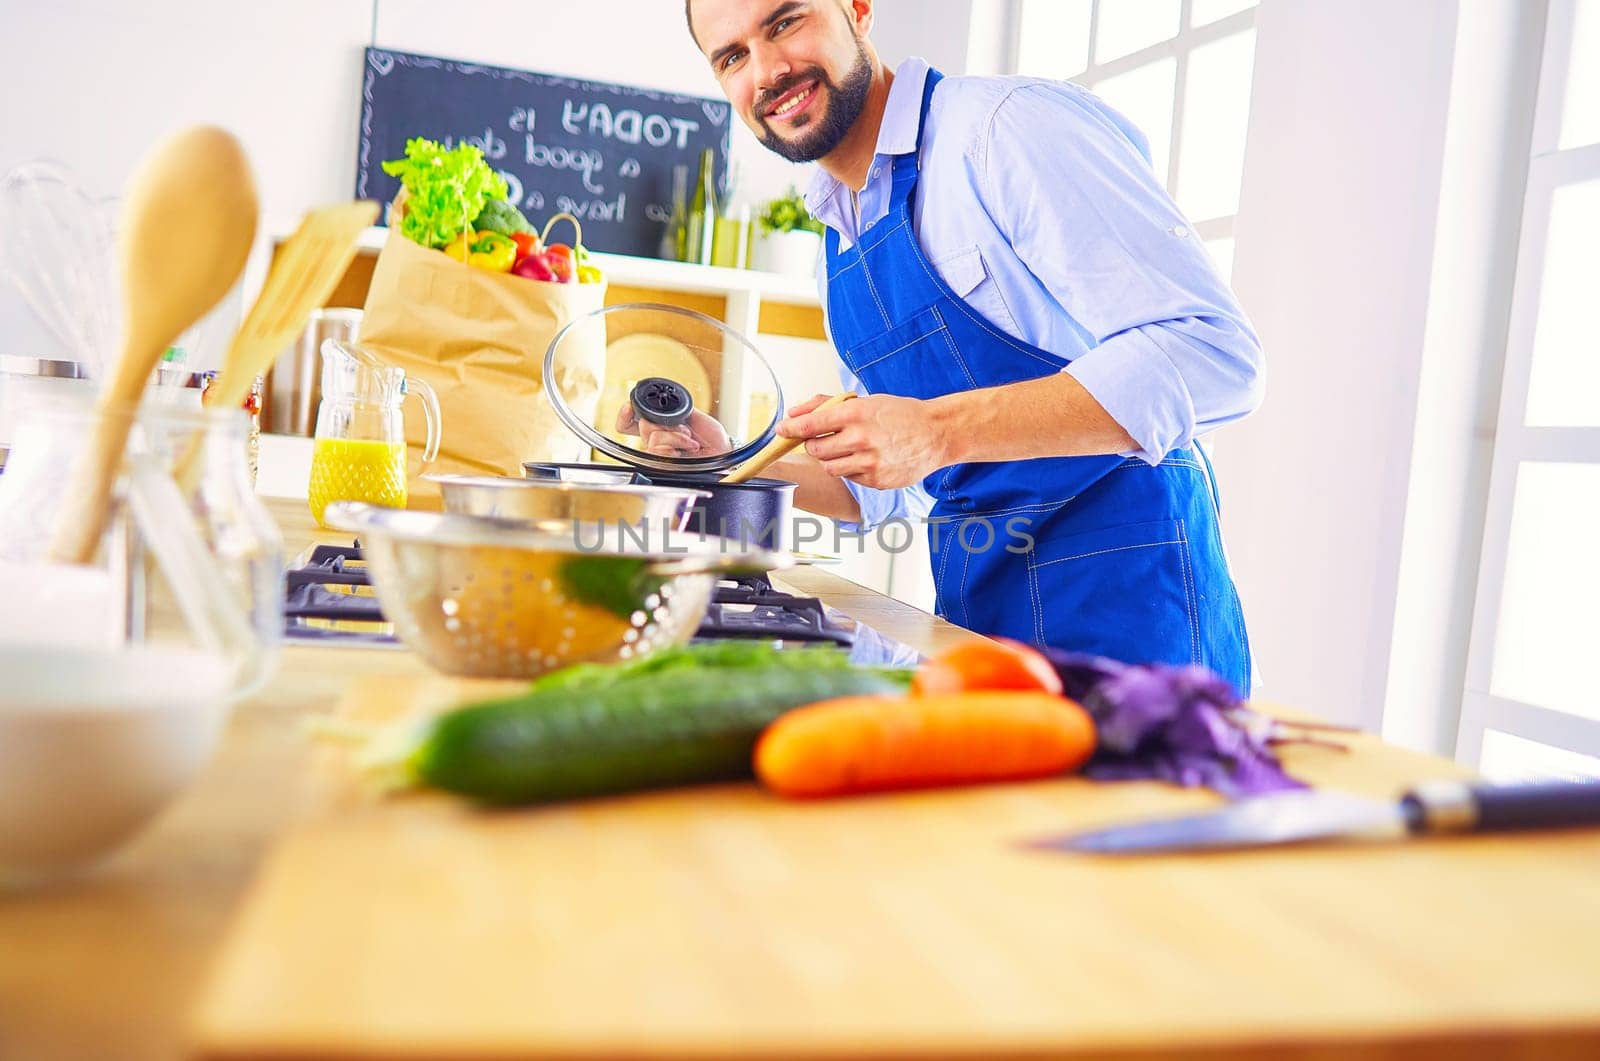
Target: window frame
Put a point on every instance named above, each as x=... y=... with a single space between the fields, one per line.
x=1516 y=442
x=1178 y=47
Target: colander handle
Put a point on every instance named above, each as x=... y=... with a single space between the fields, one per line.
x=751 y=563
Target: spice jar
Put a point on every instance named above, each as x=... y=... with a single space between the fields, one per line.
x=252 y=406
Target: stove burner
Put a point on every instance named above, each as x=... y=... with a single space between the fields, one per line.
x=743 y=607
x=306 y=595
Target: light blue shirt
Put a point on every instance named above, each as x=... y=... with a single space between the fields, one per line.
x=1037 y=205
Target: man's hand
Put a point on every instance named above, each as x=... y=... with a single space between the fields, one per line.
x=878 y=440
x=700 y=436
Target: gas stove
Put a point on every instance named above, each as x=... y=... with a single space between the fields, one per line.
x=329 y=599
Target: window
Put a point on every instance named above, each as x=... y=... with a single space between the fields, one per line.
x=1531 y=704
x=1178 y=69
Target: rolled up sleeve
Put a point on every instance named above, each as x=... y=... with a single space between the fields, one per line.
x=1173 y=355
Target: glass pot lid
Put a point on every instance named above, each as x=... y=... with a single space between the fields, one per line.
x=662 y=387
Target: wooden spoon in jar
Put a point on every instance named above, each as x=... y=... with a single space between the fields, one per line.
x=188 y=223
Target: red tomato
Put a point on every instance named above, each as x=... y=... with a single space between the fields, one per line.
x=560 y=259
x=1000 y=664
x=527 y=243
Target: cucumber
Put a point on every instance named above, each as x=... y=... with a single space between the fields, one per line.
x=676 y=726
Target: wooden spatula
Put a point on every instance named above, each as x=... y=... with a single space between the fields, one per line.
x=778 y=447
x=188 y=221
x=308 y=267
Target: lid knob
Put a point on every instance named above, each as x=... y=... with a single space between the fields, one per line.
x=661 y=401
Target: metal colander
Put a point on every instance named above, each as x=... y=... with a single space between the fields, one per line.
x=658 y=507
x=485 y=597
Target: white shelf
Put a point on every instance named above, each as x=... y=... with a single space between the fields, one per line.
x=678 y=276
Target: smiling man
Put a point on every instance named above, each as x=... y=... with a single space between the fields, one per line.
x=1037 y=334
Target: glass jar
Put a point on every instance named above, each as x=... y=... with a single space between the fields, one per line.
x=200 y=564
x=235 y=528
x=96 y=604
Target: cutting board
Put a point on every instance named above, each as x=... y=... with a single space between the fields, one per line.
x=720 y=921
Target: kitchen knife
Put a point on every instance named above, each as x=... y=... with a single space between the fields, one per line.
x=1291 y=817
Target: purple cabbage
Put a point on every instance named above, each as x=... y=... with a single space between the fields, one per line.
x=1185 y=725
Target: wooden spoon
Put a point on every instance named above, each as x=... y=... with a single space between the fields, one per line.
x=778 y=447
x=188 y=222
x=307 y=268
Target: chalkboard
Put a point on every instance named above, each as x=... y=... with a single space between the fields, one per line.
x=600 y=151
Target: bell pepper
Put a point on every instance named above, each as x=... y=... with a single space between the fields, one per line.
x=460 y=248
x=492 y=251
x=589 y=274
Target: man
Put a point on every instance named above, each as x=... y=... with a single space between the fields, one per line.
x=1037 y=334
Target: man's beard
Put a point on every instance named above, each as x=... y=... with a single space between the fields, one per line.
x=844 y=103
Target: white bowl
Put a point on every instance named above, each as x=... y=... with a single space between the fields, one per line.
x=94 y=743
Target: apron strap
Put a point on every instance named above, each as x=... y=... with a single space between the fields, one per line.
x=907 y=165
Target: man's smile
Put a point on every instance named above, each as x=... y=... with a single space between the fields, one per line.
x=793 y=102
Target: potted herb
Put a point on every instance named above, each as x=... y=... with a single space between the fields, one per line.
x=788 y=238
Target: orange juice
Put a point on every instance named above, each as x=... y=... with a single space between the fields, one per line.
x=356 y=469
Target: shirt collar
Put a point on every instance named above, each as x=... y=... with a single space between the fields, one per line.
x=902 y=116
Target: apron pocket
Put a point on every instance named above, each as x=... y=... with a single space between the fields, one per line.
x=1125 y=592
x=916 y=359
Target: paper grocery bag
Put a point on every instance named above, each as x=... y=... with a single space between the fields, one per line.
x=479 y=338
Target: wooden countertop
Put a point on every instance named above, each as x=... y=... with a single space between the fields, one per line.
x=110 y=964
x=720 y=922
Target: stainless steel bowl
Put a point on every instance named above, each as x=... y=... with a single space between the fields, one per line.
x=581 y=473
x=535 y=499
x=495 y=598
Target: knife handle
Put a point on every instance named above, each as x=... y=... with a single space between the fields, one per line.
x=1454 y=806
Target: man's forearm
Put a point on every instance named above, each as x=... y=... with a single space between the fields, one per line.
x=815 y=490
x=1053 y=416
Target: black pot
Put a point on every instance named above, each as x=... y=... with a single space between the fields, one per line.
x=756 y=512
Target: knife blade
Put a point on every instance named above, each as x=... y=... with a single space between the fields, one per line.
x=1293 y=817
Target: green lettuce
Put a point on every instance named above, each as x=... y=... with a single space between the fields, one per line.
x=445 y=189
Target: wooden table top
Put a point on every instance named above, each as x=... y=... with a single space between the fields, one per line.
x=120 y=955
x=721 y=922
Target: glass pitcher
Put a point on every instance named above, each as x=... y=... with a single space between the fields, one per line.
x=359 y=452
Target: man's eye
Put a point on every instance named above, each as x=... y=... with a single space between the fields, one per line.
x=782 y=24
x=730 y=60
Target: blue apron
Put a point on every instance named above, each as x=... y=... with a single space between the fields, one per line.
x=1100 y=554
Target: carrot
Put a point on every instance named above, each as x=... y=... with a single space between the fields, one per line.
x=872 y=743
x=984 y=664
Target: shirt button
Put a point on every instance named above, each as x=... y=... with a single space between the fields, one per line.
x=875 y=170
x=1179 y=231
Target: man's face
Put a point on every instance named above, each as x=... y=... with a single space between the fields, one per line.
x=796 y=71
